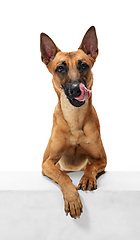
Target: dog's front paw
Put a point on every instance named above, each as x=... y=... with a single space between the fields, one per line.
x=87 y=183
x=73 y=204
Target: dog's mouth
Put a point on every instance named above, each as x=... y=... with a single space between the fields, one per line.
x=82 y=95
x=76 y=103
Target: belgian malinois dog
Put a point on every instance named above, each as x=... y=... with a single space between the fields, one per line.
x=75 y=143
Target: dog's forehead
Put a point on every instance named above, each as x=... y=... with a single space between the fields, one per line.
x=69 y=57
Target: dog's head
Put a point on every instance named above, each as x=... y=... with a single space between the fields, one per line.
x=71 y=71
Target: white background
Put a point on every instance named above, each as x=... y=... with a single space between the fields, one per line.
x=27 y=97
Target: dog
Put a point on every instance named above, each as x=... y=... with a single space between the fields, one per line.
x=75 y=143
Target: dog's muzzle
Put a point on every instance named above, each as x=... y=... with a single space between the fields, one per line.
x=77 y=93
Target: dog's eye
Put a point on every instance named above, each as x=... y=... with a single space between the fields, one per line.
x=61 y=68
x=82 y=66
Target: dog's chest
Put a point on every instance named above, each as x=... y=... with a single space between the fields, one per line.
x=74 y=116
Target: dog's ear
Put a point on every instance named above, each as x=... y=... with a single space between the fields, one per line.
x=90 y=43
x=48 y=48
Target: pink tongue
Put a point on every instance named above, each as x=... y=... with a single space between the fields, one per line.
x=85 y=93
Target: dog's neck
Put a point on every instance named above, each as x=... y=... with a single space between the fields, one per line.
x=74 y=116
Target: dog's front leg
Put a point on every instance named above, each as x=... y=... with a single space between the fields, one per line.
x=71 y=197
x=88 y=181
x=97 y=159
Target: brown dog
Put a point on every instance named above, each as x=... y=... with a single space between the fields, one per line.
x=75 y=143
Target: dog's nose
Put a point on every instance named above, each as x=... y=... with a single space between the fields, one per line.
x=73 y=90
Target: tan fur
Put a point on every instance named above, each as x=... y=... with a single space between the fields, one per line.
x=75 y=143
